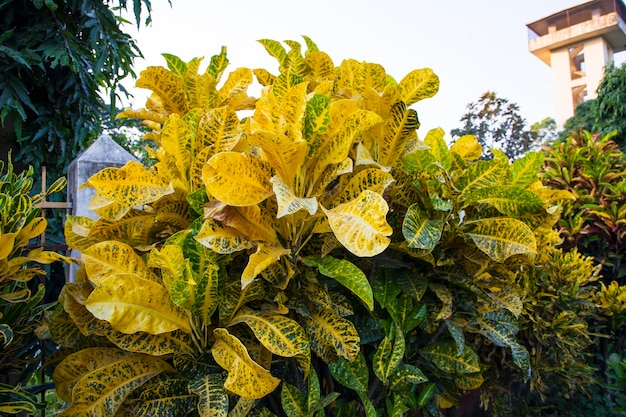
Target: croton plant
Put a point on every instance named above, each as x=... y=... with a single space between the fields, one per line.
x=302 y=253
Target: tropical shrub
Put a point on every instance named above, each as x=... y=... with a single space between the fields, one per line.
x=593 y=169
x=314 y=257
x=21 y=294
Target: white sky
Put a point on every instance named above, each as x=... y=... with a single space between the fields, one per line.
x=473 y=46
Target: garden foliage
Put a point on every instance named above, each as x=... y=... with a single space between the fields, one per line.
x=314 y=256
x=21 y=293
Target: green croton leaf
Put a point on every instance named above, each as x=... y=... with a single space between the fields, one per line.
x=352 y=374
x=212 y=396
x=509 y=200
x=346 y=273
x=444 y=355
x=419 y=231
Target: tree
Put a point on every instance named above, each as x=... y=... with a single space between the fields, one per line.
x=609 y=108
x=498 y=124
x=607 y=112
x=58 y=59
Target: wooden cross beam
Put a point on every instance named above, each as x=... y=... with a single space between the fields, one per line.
x=52 y=205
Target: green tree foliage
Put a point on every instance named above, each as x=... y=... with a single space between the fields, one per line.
x=607 y=112
x=610 y=106
x=57 y=59
x=496 y=123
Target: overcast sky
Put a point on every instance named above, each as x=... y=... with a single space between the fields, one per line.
x=473 y=46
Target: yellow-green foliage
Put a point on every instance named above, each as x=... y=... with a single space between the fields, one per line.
x=20 y=309
x=318 y=238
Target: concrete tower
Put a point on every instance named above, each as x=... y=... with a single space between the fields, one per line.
x=578 y=43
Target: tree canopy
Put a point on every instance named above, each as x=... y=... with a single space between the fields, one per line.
x=497 y=123
x=607 y=112
x=58 y=59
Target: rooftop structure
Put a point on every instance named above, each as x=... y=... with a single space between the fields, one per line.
x=578 y=43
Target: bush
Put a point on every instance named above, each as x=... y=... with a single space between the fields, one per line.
x=315 y=257
x=21 y=294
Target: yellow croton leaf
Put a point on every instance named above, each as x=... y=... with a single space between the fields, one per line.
x=176 y=140
x=237 y=179
x=222 y=239
x=108 y=209
x=168 y=89
x=467 y=147
x=337 y=148
x=283 y=153
x=132 y=304
x=368 y=179
x=218 y=128
x=33 y=229
x=288 y=202
x=143 y=114
x=7 y=244
x=418 y=84
x=361 y=225
x=131 y=185
x=263 y=258
x=279 y=334
x=46 y=257
x=104 y=259
x=246 y=378
x=77 y=232
x=254 y=222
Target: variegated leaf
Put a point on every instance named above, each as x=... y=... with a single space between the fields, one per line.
x=501 y=238
x=418 y=85
x=131 y=185
x=176 y=139
x=368 y=179
x=388 y=355
x=288 y=201
x=132 y=304
x=264 y=257
x=317 y=114
x=97 y=380
x=351 y=374
x=111 y=257
x=166 y=397
x=508 y=299
x=347 y=274
x=167 y=86
x=332 y=336
x=467 y=147
x=401 y=127
x=526 y=168
x=279 y=334
x=222 y=239
x=482 y=174
x=338 y=146
x=444 y=355
x=155 y=345
x=419 y=231
x=245 y=378
x=469 y=382
x=284 y=154
x=438 y=147
x=236 y=84
x=171 y=262
x=293 y=401
x=361 y=225
x=509 y=200
x=237 y=179
x=212 y=397
x=254 y=222
x=218 y=129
